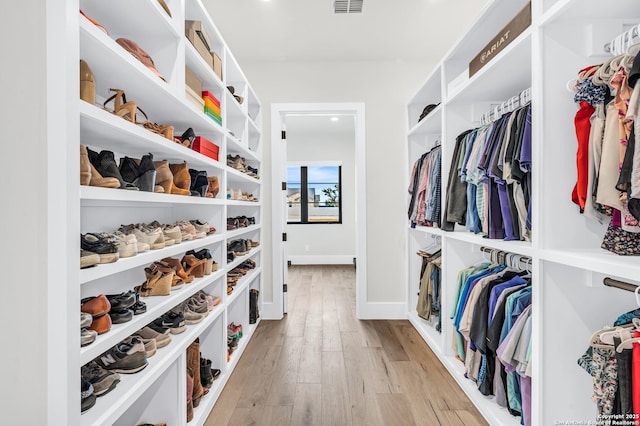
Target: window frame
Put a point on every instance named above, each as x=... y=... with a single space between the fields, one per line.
x=304 y=192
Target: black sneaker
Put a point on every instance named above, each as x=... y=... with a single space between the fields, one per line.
x=173 y=321
x=103 y=381
x=87 y=397
x=126 y=357
x=122 y=300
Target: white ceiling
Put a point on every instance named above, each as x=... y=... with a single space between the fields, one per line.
x=298 y=126
x=308 y=30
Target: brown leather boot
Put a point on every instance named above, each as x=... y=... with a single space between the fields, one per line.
x=87 y=83
x=193 y=363
x=181 y=176
x=190 y=383
x=85 y=166
x=214 y=186
x=164 y=179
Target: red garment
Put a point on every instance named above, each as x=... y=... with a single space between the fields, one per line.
x=583 y=129
x=635 y=375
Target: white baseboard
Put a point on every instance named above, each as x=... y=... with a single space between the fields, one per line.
x=322 y=260
x=382 y=310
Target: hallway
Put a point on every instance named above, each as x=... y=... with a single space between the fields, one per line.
x=320 y=365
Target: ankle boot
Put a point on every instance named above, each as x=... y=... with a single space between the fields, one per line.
x=181 y=176
x=85 y=166
x=105 y=164
x=254 y=314
x=199 y=182
x=141 y=173
x=164 y=178
x=214 y=187
x=87 y=83
x=193 y=363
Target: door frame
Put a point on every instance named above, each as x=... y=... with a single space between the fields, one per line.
x=278 y=158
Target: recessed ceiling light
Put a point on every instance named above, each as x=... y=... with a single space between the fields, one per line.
x=334 y=118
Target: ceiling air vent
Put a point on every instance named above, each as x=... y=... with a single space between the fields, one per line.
x=347 y=6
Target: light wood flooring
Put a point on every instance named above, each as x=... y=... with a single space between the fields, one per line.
x=321 y=366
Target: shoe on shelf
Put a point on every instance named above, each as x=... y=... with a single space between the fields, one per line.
x=203 y=227
x=159 y=281
x=193 y=266
x=181 y=176
x=187 y=230
x=162 y=340
x=172 y=232
x=121 y=301
x=121 y=316
x=90 y=176
x=199 y=182
x=176 y=265
x=154 y=237
x=137 y=52
x=190 y=317
x=87 y=397
x=103 y=381
x=105 y=163
x=214 y=187
x=173 y=321
x=85 y=319
x=127 y=244
x=164 y=130
x=193 y=364
x=87 y=337
x=139 y=307
x=150 y=345
x=140 y=172
x=101 y=245
x=87 y=84
x=94 y=22
x=165 y=179
x=122 y=108
x=88 y=259
x=101 y=324
x=238 y=247
x=232 y=223
x=95 y=305
x=126 y=357
x=189 y=395
x=206 y=375
x=204 y=254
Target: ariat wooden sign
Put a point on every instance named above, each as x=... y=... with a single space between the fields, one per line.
x=510 y=32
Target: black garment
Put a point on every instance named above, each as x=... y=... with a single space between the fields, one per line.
x=624 y=401
x=455 y=210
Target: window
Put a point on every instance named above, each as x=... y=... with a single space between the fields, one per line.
x=321 y=187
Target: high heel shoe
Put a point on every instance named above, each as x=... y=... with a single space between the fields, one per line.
x=105 y=164
x=164 y=178
x=158 y=283
x=176 y=265
x=122 y=108
x=164 y=130
x=193 y=266
x=188 y=137
x=87 y=83
x=181 y=176
x=175 y=283
x=205 y=254
x=213 y=188
x=199 y=182
x=140 y=172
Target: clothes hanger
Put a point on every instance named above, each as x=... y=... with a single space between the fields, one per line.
x=622 y=332
x=628 y=343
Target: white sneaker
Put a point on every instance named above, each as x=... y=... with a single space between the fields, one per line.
x=127 y=244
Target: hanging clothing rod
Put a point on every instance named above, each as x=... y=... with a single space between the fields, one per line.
x=621 y=43
x=509 y=105
x=521 y=258
x=610 y=282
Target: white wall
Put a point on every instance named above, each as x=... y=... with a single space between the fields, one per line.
x=385 y=88
x=313 y=139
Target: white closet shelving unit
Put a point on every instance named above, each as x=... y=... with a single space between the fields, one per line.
x=158 y=392
x=569 y=300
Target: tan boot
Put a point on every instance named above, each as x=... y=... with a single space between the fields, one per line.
x=214 y=186
x=181 y=177
x=85 y=166
x=193 y=363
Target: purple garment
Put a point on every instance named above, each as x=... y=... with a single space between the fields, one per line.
x=497 y=290
x=525 y=150
x=616 y=219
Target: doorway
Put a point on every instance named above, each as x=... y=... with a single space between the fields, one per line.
x=321 y=202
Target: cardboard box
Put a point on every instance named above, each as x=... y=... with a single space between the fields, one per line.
x=200 y=46
x=217 y=65
x=193 y=97
x=192 y=80
x=207 y=94
x=206 y=147
x=200 y=31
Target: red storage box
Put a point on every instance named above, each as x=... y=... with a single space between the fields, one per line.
x=206 y=147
